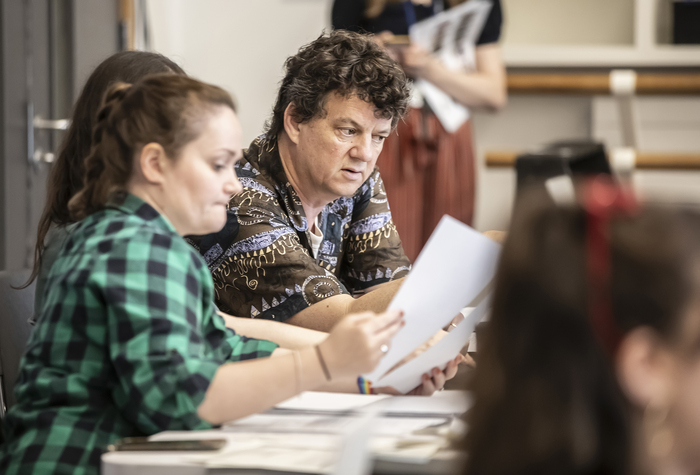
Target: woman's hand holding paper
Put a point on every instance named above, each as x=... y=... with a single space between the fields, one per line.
x=354 y=346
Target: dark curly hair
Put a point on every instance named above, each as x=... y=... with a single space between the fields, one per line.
x=348 y=64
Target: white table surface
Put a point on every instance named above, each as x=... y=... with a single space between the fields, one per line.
x=238 y=434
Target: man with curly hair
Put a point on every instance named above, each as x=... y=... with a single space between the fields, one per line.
x=312 y=228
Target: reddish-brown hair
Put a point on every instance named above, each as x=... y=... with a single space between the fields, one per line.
x=165 y=109
x=67 y=171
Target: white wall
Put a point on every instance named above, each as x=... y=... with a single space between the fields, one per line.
x=239 y=45
x=666 y=124
x=581 y=22
x=526 y=123
x=242 y=44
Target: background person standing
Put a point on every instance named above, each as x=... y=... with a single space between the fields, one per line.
x=427 y=170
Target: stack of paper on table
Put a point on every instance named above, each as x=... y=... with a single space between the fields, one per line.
x=453 y=271
x=328 y=403
x=442 y=403
x=316 y=412
x=306 y=434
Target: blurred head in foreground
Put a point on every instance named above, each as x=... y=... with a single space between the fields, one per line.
x=591 y=360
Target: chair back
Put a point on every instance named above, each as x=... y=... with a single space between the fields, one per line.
x=16 y=306
x=575 y=158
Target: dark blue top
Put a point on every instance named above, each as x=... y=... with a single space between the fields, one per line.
x=349 y=15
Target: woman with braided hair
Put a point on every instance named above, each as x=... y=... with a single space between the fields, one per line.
x=66 y=175
x=128 y=341
x=591 y=360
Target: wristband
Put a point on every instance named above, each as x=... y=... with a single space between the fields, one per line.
x=326 y=373
x=364 y=385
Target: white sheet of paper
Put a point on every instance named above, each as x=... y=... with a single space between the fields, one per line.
x=317 y=401
x=456 y=264
x=452 y=34
x=322 y=424
x=440 y=403
x=282 y=459
x=450 y=114
x=290 y=423
x=456 y=30
x=409 y=375
x=306 y=453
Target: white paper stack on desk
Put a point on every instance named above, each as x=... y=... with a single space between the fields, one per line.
x=453 y=271
x=442 y=404
x=306 y=435
x=309 y=432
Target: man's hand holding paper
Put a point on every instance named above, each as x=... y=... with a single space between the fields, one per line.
x=465 y=262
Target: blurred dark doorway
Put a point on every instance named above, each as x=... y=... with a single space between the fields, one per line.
x=48 y=48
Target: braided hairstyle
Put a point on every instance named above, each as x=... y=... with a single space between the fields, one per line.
x=164 y=109
x=345 y=63
x=66 y=176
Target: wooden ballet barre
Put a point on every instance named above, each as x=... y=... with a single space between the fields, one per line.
x=521 y=83
x=643 y=160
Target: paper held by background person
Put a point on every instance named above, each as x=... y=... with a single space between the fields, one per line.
x=450 y=36
x=454 y=268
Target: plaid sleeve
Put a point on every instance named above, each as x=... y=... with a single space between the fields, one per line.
x=244 y=348
x=373 y=251
x=233 y=347
x=163 y=342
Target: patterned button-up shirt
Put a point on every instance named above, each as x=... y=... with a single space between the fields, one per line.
x=126 y=344
x=262 y=261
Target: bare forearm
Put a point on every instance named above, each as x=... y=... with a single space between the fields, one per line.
x=286 y=336
x=323 y=315
x=470 y=90
x=378 y=299
x=347 y=385
x=484 y=88
x=243 y=388
x=247 y=387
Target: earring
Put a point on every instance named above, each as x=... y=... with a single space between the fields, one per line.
x=659 y=435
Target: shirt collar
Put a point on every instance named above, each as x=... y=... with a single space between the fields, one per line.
x=133 y=205
x=264 y=155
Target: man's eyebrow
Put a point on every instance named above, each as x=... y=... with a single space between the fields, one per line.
x=348 y=121
x=352 y=123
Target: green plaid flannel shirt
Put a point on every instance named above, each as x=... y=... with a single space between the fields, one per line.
x=126 y=344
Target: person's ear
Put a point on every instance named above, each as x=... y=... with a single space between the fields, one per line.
x=643 y=367
x=153 y=162
x=291 y=126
